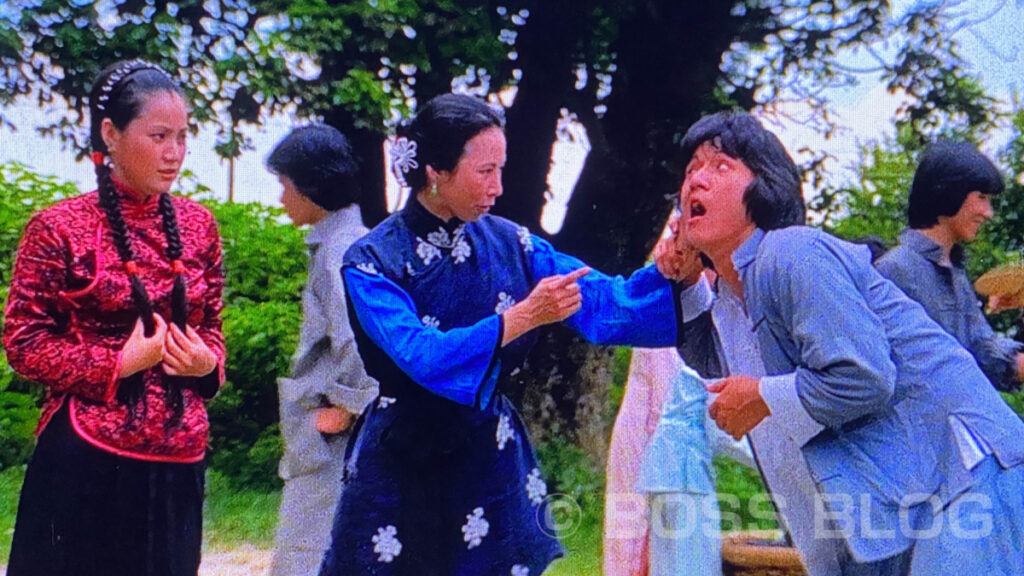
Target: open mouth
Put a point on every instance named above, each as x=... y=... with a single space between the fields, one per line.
x=696 y=209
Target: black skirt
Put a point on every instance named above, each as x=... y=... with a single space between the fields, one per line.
x=86 y=512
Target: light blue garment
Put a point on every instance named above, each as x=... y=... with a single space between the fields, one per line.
x=981 y=532
x=678 y=475
x=889 y=385
x=678 y=455
x=947 y=295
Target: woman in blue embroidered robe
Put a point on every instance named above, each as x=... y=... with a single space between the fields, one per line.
x=441 y=477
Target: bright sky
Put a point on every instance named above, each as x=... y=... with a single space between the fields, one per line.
x=994 y=46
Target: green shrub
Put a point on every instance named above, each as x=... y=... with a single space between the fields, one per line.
x=23 y=193
x=265 y=269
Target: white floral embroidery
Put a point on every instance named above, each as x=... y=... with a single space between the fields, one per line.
x=525 y=239
x=403 y=158
x=440 y=238
x=409 y=270
x=504 y=303
x=386 y=401
x=520 y=570
x=367 y=267
x=426 y=251
x=430 y=321
x=475 y=529
x=461 y=250
x=456 y=242
x=536 y=489
x=504 y=433
x=386 y=545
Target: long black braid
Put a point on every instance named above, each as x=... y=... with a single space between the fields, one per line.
x=119 y=94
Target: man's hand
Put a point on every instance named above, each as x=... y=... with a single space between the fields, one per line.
x=739 y=407
x=1001 y=302
x=333 y=419
x=675 y=258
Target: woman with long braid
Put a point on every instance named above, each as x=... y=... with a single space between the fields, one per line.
x=114 y=308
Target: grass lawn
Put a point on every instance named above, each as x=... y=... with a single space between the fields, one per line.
x=10 y=487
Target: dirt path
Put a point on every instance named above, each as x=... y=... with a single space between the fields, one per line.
x=245 y=560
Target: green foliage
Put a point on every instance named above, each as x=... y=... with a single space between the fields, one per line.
x=877 y=206
x=24 y=193
x=234 y=515
x=10 y=487
x=742 y=497
x=571 y=472
x=264 y=258
x=572 y=477
x=620 y=372
x=265 y=267
x=1016 y=401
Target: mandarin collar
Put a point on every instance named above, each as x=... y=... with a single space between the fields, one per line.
x=929 y=249
x=335 y=222
x=423 y=222
x=133 y=203
x=747 y=251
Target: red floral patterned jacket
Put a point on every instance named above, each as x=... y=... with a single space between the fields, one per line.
x=70 y=312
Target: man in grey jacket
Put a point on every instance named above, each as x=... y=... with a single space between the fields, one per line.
x=328 y=386
x=917 y=460
x=950 y=199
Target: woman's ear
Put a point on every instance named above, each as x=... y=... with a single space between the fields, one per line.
x=110 y=134
x=436 y=176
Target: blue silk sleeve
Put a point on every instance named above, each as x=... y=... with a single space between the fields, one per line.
x=459 y=364
x=635 y=311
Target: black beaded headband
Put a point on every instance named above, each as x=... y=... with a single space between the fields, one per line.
x=120 y=74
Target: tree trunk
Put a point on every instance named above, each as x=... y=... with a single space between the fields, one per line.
x=547 y=47
x=369 y=145
x=666 y=65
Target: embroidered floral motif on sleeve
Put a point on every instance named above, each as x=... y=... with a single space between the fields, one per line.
x=475 y=529
x=525 y=239
x=504 y=433
x=367 y=267
x=427 y=251
x=386 y=545
x=520 y=570
x=430 y=321
x=504 y=303
x=536 y=489
x=385 y=401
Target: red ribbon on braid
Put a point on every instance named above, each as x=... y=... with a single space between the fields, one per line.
x=131 y=267
x=97 y=158
x=177 y=266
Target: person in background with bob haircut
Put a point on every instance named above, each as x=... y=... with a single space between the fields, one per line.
x=328 y=386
